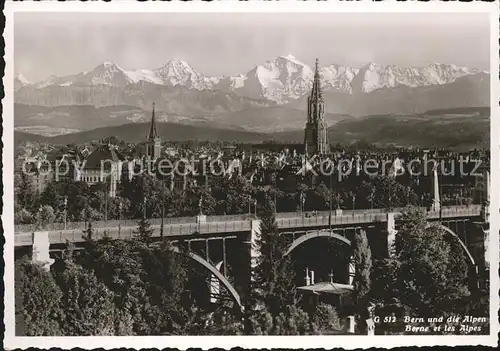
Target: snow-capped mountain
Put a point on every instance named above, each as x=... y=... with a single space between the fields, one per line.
x=372 y=76
x=281 y=80
x=336 y=77
x=20 y=81
x=59 y=81
x=108 y=73
x=178 y=72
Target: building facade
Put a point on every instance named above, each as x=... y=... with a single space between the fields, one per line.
x=316 y=138
x=103 y=165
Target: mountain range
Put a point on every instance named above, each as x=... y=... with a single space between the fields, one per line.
x=270 y=97
x=282 y=79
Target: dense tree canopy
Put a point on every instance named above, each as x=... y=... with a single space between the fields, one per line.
x=428 y=276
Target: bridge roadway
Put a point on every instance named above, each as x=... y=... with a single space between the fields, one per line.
x=228 y=224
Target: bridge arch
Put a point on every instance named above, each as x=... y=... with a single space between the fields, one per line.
x=316 y=234
x=451 y=232
x=214 y=271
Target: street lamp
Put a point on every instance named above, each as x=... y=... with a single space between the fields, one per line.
x=40 y=217
x=85 y=215
x=353 y=202
x=65 y=211
x=106 y=200
x=302 y=201
x=120 y=206
x=249 y=207
x=255 y=207
x=275 y=191
x=144 y=207
x=163 y=215
x=330 y=205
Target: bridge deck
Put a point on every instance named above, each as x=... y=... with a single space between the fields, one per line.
x=233 y=224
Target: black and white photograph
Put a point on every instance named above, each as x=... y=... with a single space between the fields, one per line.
x=252 y=174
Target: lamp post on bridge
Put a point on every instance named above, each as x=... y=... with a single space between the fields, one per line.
x=106 y=201
x=372 y=196
x=302 y=201
x=120 y=206
x=65 y=211
x=330 y=205
x=339 y=175
x=275 y=191
x=389 y=198
x=249 y=208
x=85 y=216
x=39 y=219
x=162 y=216
x=440 y=190
x=250 y=202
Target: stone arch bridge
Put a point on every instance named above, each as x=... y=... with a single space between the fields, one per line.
x=223 y=244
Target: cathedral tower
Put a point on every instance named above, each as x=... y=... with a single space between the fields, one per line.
x=153 y=141
x=315 y=138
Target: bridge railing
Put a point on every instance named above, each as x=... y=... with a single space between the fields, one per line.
x=24 y=228
x=472 y=210
x=24 y=239
x=325 y=219
x=182 y=229
x=222 y=218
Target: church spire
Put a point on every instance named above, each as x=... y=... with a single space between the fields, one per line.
x=316 y=94
x=315 y=138
x=153 y=132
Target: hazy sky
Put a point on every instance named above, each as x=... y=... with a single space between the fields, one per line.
x=229 y=44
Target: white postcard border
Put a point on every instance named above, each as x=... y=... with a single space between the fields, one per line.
x=226 y=342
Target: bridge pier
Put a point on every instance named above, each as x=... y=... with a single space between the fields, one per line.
x=351 y=324
x=40 y=250
x=486 y=233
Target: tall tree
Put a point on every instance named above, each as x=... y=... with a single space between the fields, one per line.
x=24 y=191
x=165 y=277
x=47 y=215
x=119 y=264
x=50 y=195
x=432 y=274
x=272 y=286
x=87 y=302
x=144 y=232
x=37 y=301
x=88 y=233
x=363 y=263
